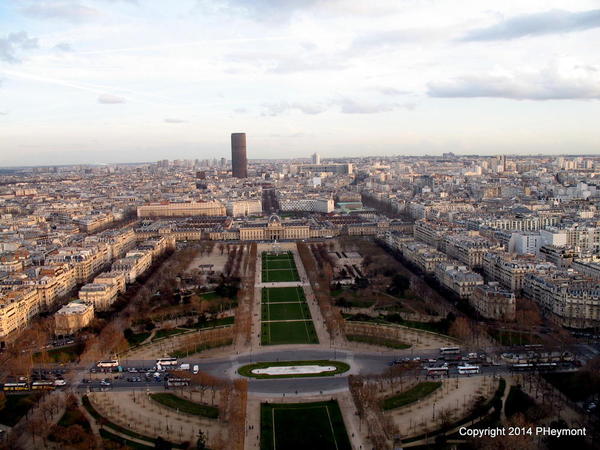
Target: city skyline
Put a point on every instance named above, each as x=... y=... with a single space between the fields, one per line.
x=124 y=81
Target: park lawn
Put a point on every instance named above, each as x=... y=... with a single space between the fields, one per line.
x=185 y=352
x=246 y=370
x=210 y=295
x=181 y=404
x=298 y=426
x=137 y=338
x=415 y=393
x=285 y=311
x=280 y=275
x=215 y=323
x=74 y=416
x=577 y=386
x=277 y=333
x=69 y=353
x=283 y=294
x=16 y=407
x=167 y=332
x=373 y=340
x=515 y=337
x=279 y=264
x=104 y=422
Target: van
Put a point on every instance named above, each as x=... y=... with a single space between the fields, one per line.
x=196 y=369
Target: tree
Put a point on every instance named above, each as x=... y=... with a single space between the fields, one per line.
x=2 y=401
x=460 y=328
x=399 y=285
x=201 y=443
x=162 y=444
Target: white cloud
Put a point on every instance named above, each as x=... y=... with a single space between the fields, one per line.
x=13 y=42
x=110 y=99
x=64 y=47
x=545 y=85
x=344 y=105
x=174 y=120
x=276 y=109
x=537 y=24
x=72 y=11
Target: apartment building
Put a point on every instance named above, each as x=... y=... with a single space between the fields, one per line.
x=133 y=265
x=433 y=232
x=72 y=317
x=589 y=267
x=114 y=278
x=469 y=250
x=583 y=236
x=457 y=278
x=509 y=270
x=242 y=208
x=493 y=301
x=322 y=205
x=94 y=222
x=182 y=209
x=87 y=261
x=119 y=241
x=520 y=223
x=17 y=307
x=99 y=294
x=566 y=297
x=54 y=281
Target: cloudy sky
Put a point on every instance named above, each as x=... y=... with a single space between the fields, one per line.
x=103 y=81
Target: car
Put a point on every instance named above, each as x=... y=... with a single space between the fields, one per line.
x=60 y=382
x=105 y=383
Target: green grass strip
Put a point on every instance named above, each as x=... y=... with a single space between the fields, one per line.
x=414 y=394
x=246 y=371
x=182 y=353
x=373 y=340
x=104 y=422
x=105 y=434
x=181 y=404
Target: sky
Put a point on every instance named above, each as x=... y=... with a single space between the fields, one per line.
x=107 y=81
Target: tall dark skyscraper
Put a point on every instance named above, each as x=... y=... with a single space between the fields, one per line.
x=239 y=162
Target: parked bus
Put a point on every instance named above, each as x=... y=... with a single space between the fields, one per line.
x=42 y=386
x=449 y=350
x=546 y=366
x=437 y=371
x=172 y=382
x=521 y=367
x=166 y=362
x=467 y=369
x=16 y=386
x=108 y=364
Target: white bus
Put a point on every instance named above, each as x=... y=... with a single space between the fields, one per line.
x=437 y=371
x=449 y=350
x=521 y=367
x=166 y=362
x=16 y=386
x=546 y=366
x=108 y=364
x=42 y=385
x=467 y=369
x=172 y=382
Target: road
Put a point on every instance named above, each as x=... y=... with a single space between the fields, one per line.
x=363 y=363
